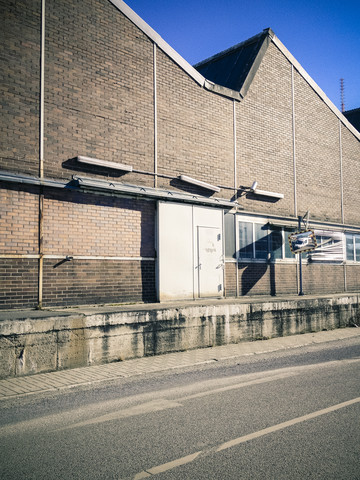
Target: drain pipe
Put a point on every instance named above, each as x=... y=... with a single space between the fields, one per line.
x=342 y=196
x=235 y=195
x=41 y=159
x=294 y=138
x=155 y=119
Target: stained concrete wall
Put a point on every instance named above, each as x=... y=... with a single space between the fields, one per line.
x=47 y=341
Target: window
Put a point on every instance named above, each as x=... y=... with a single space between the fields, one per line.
x=262 y=241
x=352 y=247
x=330 y=247
x=246 y=242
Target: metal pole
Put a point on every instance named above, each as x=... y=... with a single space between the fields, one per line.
x=300 y=219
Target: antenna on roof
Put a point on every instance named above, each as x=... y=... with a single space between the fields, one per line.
x=342 y=95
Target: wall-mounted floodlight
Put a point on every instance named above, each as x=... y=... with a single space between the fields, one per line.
x=199 y=183
x=264 y=193
x=253 y=186
x=104 y=163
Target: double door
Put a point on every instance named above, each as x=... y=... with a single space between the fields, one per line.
x=190 y=252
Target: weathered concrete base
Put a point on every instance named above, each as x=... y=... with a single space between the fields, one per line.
x=58 y=340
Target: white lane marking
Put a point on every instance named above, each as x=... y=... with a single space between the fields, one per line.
x=237 y=441
x=163 y=404
x=257 y=381
x=143 y=408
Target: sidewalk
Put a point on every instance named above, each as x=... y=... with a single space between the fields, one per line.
x=18 y=386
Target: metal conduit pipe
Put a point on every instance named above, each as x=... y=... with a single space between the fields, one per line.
x=41 y=158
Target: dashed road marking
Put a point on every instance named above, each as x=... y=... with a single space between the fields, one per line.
x=237 y=441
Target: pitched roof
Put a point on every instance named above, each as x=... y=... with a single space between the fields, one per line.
x=235 y=67
x=248 y=56
x=354 y=117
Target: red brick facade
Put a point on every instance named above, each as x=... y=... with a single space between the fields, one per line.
x=111 y=93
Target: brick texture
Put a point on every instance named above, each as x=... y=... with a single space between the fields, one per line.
x=317 y=155
x=18 y=283
x=264 y=135
x=351 y=176
x=99 y=102
x=99 y=89
x=189 y=138
x=267 y=279
x=95 y=281
x=84 y=224
x=20 y=86
x=19 y=220
x=230 y=279
x=323 y=278
x=352 y=278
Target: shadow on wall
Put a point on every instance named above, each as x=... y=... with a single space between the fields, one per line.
x=192 y=189
x=74 y=165
x=264 y=250
x=115 y=282
x=252 y=275
x=147 y=249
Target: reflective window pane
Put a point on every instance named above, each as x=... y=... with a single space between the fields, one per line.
x=245 y=240
x=350 y=248
x=276 y=242
x=261 y=241
x=288 y=252
x=357 y=248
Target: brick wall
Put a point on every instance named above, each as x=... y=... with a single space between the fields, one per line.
x=323 y=278
x=230 y=279
x=20 y=86
x=264 y=135
x=99 y=89
x=19 y=219
x=98 y=281
x=99 y=102
x=351 y=176
x=317 y=155
x=195 y=130
x=352 y=278
x=85 y=224
x=95 y=225
x=267 y=279
x=75 y=224
x=18 y=283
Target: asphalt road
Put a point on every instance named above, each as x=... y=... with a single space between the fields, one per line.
x=285 y=415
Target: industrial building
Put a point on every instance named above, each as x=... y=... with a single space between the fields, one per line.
x=128 y=175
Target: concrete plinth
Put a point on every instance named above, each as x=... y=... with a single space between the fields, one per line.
x=33 y=342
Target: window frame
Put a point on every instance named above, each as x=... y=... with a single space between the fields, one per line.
x=269 y=256
x=355 y=240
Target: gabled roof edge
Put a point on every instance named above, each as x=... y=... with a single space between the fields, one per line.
x=173 y=54
x=314 y=86
x=158 y=40
x=229 y=50
x=268 y=35
x=218 y=89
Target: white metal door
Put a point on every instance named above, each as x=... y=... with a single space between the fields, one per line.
x=210 y=262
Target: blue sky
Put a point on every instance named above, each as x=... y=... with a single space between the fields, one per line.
x=323 y=35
